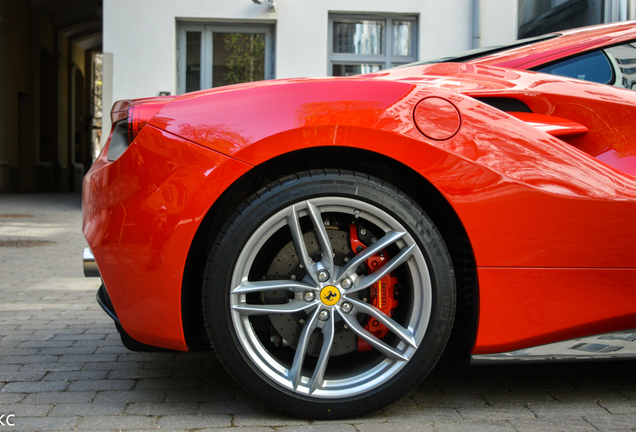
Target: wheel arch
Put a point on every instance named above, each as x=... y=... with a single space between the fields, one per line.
x=387 y=169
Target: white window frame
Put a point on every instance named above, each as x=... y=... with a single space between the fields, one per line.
x=207 y=30
x=386 y=60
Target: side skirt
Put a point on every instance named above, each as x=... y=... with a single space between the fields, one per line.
x=608 y=346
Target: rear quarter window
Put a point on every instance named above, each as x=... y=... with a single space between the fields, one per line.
x=594 y=67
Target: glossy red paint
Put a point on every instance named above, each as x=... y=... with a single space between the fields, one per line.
x=606 y=301
x=140 y=215
x=555 y=126
x=437 y=118
x=551 y=222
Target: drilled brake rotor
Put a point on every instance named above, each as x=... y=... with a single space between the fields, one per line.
x=286 y=265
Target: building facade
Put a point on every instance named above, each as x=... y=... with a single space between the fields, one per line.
x=154 y=47
x=64 y=62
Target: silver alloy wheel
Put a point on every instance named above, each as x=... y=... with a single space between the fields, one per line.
x=356 y=380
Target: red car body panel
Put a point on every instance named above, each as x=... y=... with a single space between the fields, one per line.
x=551 y=222
x=140 y=215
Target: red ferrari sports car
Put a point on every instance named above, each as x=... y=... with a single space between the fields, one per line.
x=331 y=238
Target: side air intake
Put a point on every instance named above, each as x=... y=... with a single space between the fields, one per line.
x=506 y=104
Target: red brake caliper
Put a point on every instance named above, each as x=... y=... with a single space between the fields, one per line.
x=381 y=293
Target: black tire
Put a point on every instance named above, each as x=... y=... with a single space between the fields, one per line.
x=253 y=247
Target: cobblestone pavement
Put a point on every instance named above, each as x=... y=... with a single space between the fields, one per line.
x=63 y=367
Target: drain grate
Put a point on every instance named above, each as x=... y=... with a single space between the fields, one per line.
x=14 y=216
x=25 y=243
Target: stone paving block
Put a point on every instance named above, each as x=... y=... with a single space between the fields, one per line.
x=232 y=407
x=79 y=337
x=26 y=410
x=116 y=422
x=68 y=350
x=219 y=381
x=92 y=358
x=44 y=423
x=473 y=387
x=390 y=427
x=169 y=383
x=426 y=415
x=109 y=366
x=557 y=409
x=34 y=387
x=266 y=419
x=98 y=343
x=46 y=344
x=240 y=429
x=51 y=367
x=624 y=407
x=491 y=426
x=626 y=421
x=137 y=373
x=130 y=396
x=112 y=349
x=318 y=428
x=506 y=412
x=536 y=385
x=84 y=409
x=452 y=400
x=145 y=357
x=167 y=364
x=75 y=375
x=30 y=359
x=199 y=395
x=9 y=368
x=20 y=351
x=377 y=417
x=522 y=398
x=567 y=424
x=100 y=385
x=22 y=376
x=588 y=395
x=64 y=397
x=194 y=421
x=164 y=408
x=9 y=398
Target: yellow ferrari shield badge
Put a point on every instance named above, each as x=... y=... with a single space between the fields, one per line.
x=329 y=295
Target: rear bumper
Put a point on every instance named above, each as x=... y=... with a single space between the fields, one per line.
x=141 y=213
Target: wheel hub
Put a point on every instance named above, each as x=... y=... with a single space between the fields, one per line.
x=329 y=295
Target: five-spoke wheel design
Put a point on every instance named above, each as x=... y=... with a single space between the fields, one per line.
x=302 y=301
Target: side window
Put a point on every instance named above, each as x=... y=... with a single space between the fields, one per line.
x=615 y=66
x=593 y=67
x=623 y=58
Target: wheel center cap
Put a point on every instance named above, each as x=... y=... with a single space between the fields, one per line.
x=330 y=295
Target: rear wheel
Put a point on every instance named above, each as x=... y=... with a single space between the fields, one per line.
x=329 y=294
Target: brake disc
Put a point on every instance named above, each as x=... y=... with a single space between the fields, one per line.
x=286 y=265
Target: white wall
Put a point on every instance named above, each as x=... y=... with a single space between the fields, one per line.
x=497 y=21
x=141 y=34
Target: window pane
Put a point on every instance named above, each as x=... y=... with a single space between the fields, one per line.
x=362 y=37
x=348 y=70
x=193 y=61
x=592 y=67
x=624 y=57
x=402 y=31
x=237 y=58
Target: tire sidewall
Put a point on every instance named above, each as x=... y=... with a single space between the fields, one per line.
x=259 y=208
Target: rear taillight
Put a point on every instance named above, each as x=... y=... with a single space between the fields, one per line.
x=141 y=111
x=129 y=117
